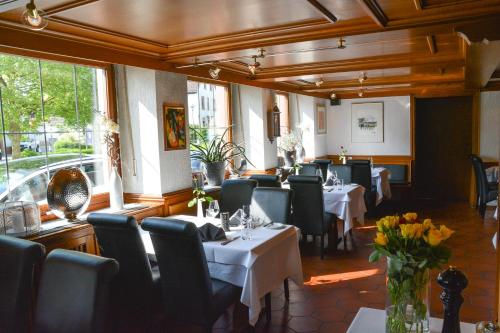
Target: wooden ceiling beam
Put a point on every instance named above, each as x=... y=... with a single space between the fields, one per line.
x=372 y=8
x=67 y=6
x=361 y=64
x=418 y=4
x=320 y=29
x=323 y=10
x=431 y=43
x=389 y=80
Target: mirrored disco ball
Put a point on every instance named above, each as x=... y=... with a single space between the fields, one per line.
x=68 y=193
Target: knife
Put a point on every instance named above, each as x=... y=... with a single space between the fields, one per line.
x=229 y=240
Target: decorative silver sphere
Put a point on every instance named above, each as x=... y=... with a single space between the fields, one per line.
x=68 y=193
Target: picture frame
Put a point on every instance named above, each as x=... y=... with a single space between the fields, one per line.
x=367 y=122
x=174 y=127
x=321 y=125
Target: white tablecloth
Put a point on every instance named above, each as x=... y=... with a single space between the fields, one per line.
x=492 y=174
x=258 y=266
x=348 y=204
x=380 y=178
x=373 y=321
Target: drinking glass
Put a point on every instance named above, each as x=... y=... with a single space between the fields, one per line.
x=213 y=208
x=246 y=233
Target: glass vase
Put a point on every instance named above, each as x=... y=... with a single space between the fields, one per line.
x=408 y=289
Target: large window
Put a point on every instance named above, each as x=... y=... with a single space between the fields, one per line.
x=208 y=106
x=49 y=120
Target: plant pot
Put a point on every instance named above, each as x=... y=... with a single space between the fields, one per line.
x=215 y=173
x=407 y=300
x=289 y=158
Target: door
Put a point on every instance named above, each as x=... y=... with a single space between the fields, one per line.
x=443 y=143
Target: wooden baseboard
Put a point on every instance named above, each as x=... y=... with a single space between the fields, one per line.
x=271 y=171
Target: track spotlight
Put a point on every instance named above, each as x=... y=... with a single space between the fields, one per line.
x=214 y=72
x=319 y=83
x=253 y=67
x=34 y=18
x=333 y=95
x=341 y=43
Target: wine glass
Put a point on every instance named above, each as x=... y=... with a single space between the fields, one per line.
x=213 y=208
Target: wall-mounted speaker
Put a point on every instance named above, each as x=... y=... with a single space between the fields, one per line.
x=334 y=101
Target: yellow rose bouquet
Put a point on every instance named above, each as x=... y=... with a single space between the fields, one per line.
x=412 y=249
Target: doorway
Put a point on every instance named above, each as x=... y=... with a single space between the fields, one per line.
x=443 y=143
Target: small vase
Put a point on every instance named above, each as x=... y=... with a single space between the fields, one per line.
x=408 y=300
x=289 y=158
x=199 y=207
x=115 y=190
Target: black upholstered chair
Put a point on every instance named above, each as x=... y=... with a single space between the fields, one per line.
x=362 y=175
x=266 y=180
x=189 y=294
x=344 y=172
x=323 y=166
x=273 y=205
x=308 y=208
x=486 y=191
x=18 y=258
x=352 y=162
x=73 y=295
x=236 y=193
x=308 y=169
x=135 y=292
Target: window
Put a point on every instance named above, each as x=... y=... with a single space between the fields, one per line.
x=49 y=121
x=281 y=101
x=210 y=120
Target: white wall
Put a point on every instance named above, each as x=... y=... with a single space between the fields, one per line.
x=157 y=171
x=302 y=115
x=397 y=140
x=489 y=125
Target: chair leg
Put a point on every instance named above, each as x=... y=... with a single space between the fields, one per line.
x=287 y=290
x=268 y=306
x=322 y=246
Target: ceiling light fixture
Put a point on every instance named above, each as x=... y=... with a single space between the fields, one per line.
x=341 y=43
x=214 y=72
x=34 y=18
x=253 y=67
x=319 y=83
x=362 y=78
x=333 y=95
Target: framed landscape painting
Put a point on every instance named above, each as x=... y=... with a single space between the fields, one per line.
x=320 y=119
x=174 y=126
x=367 y=122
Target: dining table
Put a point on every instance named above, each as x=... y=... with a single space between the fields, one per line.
x=258 y=266
x=380 y=179
x=346 y=202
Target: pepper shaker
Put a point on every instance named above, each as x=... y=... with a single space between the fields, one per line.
x=453 y=282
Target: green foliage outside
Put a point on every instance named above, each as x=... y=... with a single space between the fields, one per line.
x=22 y=103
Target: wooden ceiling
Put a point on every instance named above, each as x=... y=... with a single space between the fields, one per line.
x=403 y=46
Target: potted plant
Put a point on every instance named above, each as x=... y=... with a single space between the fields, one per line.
x=343 y=155
x=200 y=197
x=288 y=145
x=215 y=154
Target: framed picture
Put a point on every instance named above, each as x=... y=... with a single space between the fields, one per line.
x=174 y=127
x=320 y=119
x=367 y=122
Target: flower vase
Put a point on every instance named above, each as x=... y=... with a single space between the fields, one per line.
x=289 y=158
x=407 y=298
x=115 y=190
x=199 y=209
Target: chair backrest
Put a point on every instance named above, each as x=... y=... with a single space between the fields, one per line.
x=352 y=162
x=236 y=193
x=362 y=175
x=74 y=293
x=266 y=180
x=307 y=204
x=272 y=204
x=132 y=290
x=185 y=281
x=18 y=258
x=480 y=176
x=308 y=169
x=323 y=166
x=344 y=171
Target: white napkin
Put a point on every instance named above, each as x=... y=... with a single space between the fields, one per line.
x=237 y=218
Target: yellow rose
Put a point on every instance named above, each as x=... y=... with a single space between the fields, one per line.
x=445 y=232
x=381 y=239
x=391 y=221
x=433 y=237
x=410 y=217
x=380 y=225
x=418 y=230
x=406 y=230
x=428 y=224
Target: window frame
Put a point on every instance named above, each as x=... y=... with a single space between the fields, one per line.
x=98 y=200
x=287 y=111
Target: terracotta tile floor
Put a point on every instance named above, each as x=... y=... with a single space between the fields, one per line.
x=337 y=286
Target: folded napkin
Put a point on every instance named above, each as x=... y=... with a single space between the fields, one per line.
x=237 y=218
x=209 y=232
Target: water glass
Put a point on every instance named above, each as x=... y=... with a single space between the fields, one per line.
x=246 y=233
x=213 y=208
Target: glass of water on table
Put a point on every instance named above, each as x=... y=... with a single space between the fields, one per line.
x=246 y=233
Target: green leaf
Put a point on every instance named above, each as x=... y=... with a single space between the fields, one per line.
x=192 y=202
x=374 y=256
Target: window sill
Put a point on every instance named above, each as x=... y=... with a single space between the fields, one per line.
x=97 y=201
